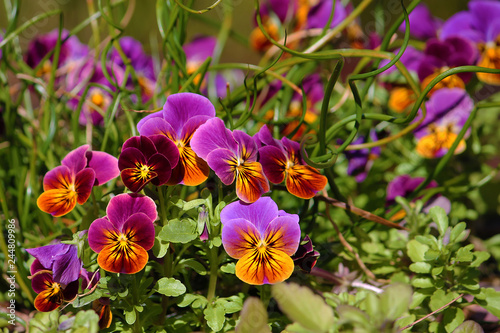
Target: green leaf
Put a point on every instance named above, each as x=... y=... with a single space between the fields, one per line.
x=405 y=321
x=177 y=231
x=464 y=254
x=231 y=304
x=490 y=300
x=296 y=328
x=229 y=268
x=196 y=265
x=350 y=314
x=432 y=255
x=253 y=317
x=421 y=282
x=170 y=287
x=481 y=257
x=186 y=300
x=456 y=232
x=160 y=246
x=86 y=321
x=421 y=267
x=469 y=326
x=371 y=305
x=193 y=204
x=130 y=316
x=215 y=316
x=441 y=298
x=302 y=305
x=452 y=318
x=395 y=299
x=416 y=250
x=438 y=215
x=82 y=301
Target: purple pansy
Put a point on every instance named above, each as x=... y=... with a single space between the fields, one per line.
x=361 y=161
x=233 y=156
x=319 y=14
x=182 y=114
x=423 y=25
x=262 y=238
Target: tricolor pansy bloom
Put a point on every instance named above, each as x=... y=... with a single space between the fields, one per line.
x=61 y=259
x=147 y=159
x=282 y=161
x=123 y=237
x=72 y=182
x=232 y=156
x=51 y=294
x=182 y=114
x=447 y=112
x=140 y=62
x=480 y=25
x=262 y=238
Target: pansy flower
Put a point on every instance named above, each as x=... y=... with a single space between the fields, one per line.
x=101 y=306
x=182 y=114
x=480 y=25
x=147 y=159
x=423 y=25
x=70 y=53
x=404 y=185
x=306 y=257
x=51 y=294
x=282 y=161
x=123 y=237
x=61 y=259
x=262 y=238
x=232 y=156
x=71 y=183
x=447 y=112
x=140 y=62
x=99 y=98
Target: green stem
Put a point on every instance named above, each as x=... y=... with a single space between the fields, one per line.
x=214 y=268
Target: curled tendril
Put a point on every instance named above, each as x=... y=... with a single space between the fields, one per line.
x=193 y=11
x=312 y=139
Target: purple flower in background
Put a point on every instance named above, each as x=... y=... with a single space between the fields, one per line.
x=232 y=156
x=404 y=185
x=98 y=99
x=61 y=259
x=361 y=161
x=182 y=114
x=423 y=25
x=447 y=112
x=319 y=14
x=71 y=52
x=140 y=62
x=480 y=25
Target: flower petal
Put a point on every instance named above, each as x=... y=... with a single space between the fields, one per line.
x=140 y=230
x=122 y=206
x=283 y=234
x=160 y=166
x=167 y=148
x=273 y=162
x=247 y=148
x=192 y=169
x=239 y=236
x=41 y=282
x=135 y=180
x=127 y=258
x=66 y=268
x=250 y=182
x=130 y=158
x=223 y=162
x=76 y=159
x=142 y=143
x=46 y=255
x=304 y=181
x=264 y=267
x=157 y=126
x=57 y=202
x=212 y=135
x=101 y=234
x=154 y=117
x=104 y=165
x=47 y=300
x=84 y=181
x=60 y=177
x=259 y=213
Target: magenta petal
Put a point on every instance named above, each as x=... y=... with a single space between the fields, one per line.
x=222 y=161
x=200 y=49
x=192 y=125
x=288 y=230
x=273 y=162
x=140 y=230
x=104 y=165
x=84 y=181
x=264 y=137
x=167 y=148
x=236 y=234
x=179 y=108
x=247 y=148
x=58 y=178
x=99 y=233
x=155 y=116
x=462 y=24
x=422 y=24
x=130 y=158
x=36 y=266
x=76 y=159
x=260 y=213
x=121 y=207
x=71 y=290
x=158 y=126
x=210 y=136
x=66 y=268
x=142 y=143
x=486 y=15
x=161 y=166
x=48 y=253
